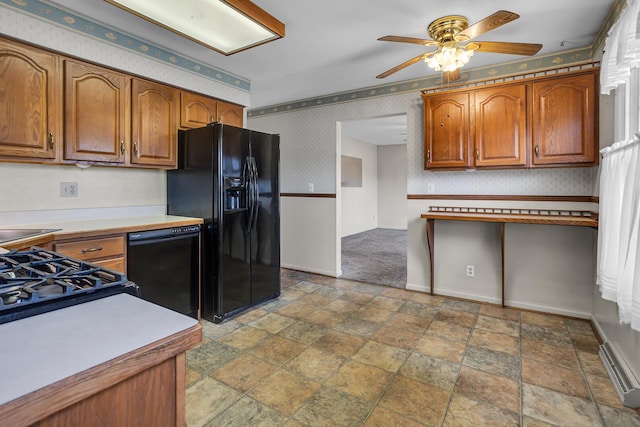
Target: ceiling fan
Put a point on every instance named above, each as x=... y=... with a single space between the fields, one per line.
x=452 y=35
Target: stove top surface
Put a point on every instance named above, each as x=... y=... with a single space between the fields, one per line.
x=37 y=281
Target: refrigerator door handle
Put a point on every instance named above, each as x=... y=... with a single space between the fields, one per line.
x=256 y=194
x=247 y=175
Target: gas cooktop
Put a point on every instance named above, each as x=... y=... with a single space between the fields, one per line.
x=37 y=281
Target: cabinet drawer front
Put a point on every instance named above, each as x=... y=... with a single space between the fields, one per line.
x=115 y=264
x=93 y=248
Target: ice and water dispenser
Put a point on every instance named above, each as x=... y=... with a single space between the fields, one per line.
x=235 y=193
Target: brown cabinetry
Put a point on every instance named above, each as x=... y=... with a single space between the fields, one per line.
x=197 y=110
x=230 y=114
x=30 y=119
x=107 y=251
x=540 y=122
x=55 y=109
x=96 y=113
x=500 y=126
x=447 y=131
x=154 y=117
x=564 y=120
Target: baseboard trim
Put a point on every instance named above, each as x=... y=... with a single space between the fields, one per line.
x=547 y=309
x=509 y=303
x=310 y=270
x=419 y=288
x=467 y=296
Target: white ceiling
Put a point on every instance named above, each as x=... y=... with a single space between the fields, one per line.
x=331 y=45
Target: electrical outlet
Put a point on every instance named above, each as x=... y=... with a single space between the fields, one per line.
x=471 y=270
x=431 y=188
x=311 y=187
x=68 y=189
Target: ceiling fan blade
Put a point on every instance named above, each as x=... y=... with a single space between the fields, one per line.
x=450 y=76
x=487 y=24
x=401 y=39
x=404 y=65
x=507 y=47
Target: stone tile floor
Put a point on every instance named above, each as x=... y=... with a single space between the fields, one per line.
x=332 y=352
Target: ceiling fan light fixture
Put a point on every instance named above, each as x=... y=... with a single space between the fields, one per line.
x=449 y=58
x=226 y=26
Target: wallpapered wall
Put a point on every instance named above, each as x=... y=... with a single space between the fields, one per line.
x=308 y=150
x=45 y=34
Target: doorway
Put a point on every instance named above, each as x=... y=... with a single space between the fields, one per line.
x=372 y=200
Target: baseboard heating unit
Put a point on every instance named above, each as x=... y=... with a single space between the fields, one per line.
x=624 y=381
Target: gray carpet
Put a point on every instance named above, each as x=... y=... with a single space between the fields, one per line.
x=376 y=256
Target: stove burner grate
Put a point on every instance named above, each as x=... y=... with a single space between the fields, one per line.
x=40 y=281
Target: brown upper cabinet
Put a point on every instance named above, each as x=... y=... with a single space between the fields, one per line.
x=154 y=118
x=447 y=131
x=500 y=125
x=564 y=120
x=30 y=119
x=198 y=110
x=542 y=122
x=230 y=114
x=55 y=109
x=96 y=105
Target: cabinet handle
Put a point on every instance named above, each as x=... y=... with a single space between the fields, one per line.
x=135 y=148
x=122 y=147
x=429 y=156
x=477 y=154
x=99 y=248
x=537 y=150
x=52 y=141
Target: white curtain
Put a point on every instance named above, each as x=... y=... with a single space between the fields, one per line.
x=618 y=264
x=622 y=48
x=618 y=269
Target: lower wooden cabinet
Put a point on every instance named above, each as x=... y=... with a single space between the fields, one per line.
x=107 y=251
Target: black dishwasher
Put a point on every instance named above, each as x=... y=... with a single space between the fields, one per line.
x=165 y=264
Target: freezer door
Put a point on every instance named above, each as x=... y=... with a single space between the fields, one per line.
x=265 y=232
x=234 y=280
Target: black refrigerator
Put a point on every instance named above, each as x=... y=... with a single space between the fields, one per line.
x=230 y=177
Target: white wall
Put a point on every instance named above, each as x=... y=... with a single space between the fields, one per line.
x=360 y=204
x=392 y=186
x=308 y=227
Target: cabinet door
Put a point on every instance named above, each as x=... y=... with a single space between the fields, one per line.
x=154 y=117
x=95 y=105
x=564 y=120
x=197 y=110
x=230 y=114
x=500 y=124
x=29 y=118
x=446 y=139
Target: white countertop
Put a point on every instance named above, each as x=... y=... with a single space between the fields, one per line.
x=96 y=225
x=40 y=350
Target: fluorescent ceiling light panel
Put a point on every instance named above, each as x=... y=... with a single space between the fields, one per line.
x=227 y=26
